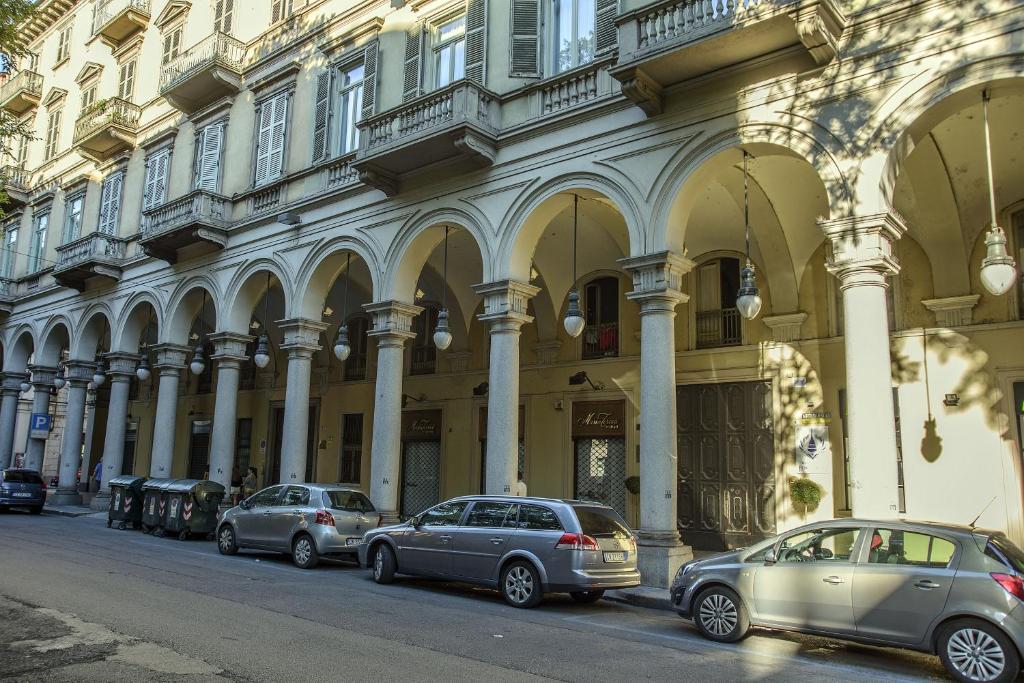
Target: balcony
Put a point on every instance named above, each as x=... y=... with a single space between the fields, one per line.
x=600 y=341
x=6 y=296
x=672 y=41
x=97 y=255
x=206 y=72
x=115 y=21
x=719 y=328
x=16 y=185
x=21 y=92
x=196 y=223
x=107 y=128
x=455 y=125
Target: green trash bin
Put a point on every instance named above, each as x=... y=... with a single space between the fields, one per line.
x=192 y=506
x=125 y=501
x=154 y=505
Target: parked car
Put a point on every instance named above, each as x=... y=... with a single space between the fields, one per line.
x=524 y=547
x=950 y=590
x=308 y=521
x=22 y=488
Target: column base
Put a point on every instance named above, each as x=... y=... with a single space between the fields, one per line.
x=65 y=497
x=659 y=556
x=101 y=501
x=389 y=517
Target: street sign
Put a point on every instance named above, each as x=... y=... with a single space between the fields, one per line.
x=40 y=425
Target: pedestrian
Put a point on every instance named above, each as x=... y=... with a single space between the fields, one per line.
x=249 y=483
x=236 y=484
x=97 y=473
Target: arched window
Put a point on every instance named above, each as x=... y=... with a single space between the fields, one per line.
x=601 y=310
x=718 y=321
x=424 y=353
x=355 y=364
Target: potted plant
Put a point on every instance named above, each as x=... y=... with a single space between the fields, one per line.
x=633 y=485
x=804 y=492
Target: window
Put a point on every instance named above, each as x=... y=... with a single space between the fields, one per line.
x=901 y=483
x=602 y=523
x=573 y=39
x=296 y=495
x=350 y=102
x=424 y=353
x=154 y=190
x=64 y=45
x=271 y=118
x=445 y=514
x=209 y=143
x=38 y=246
x=280 y=9
x=488 y=514
x=844 y=426
x=88 y=95
x=601 y=309
x=110 y=203
x=450 y=52
x=9 y=253
x=223 y=11
x=52 y=134
x=21 y=155
x=73 y=217
x=718 y=321
x=828 y=545
x=243 y=444
x=345 y=94
x=1003 y=550
x=893 y=546
x=351 y=461
x=266 y=497
x=350 y=501
x=355 y=364
x=172 y=44
x=126 y=80
x=538 y=518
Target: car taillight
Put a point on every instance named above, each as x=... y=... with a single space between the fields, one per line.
x=1011 y=583
x=632 y=544
x=324 y=517
x=576 y=542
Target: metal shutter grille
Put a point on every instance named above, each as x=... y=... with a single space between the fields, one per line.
x=601 y=471
x=421 y=469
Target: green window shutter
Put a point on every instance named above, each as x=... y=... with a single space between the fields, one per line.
x=606 y=35
x=476 y=41
x=322 y=115
x=525 y=58
x=370 y=56
x=413 y=62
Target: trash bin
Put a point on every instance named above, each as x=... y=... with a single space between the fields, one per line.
x=192 y=507
x=153 y=505
x=125 y=501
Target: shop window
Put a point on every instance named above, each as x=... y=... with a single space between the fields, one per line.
x=424 y=353
x=355 y=364
x=601 y=309
x=350 y=462
x=718 y=320
x=243 y=444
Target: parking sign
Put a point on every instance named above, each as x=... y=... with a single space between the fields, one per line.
x=39 y=425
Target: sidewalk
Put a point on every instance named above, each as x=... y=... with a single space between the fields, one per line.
x=642 y=596
x=71 y=510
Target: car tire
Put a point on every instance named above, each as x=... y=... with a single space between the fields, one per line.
x=304 y=553
x=384 y=564
x=973 y=650
x=227 y=544
x=719 y=615
x=121 y=526
x=586 y=597
x=520 y=585
x=183 y=535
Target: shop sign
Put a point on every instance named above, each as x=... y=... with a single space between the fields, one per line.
x=598 y=419
x=421 y=425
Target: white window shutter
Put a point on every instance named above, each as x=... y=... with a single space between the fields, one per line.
x=322 y=115
x=160 y=184
x=277 y=134
x=263 y=142
x=209 y=142
x=606 y=34
x=110 y=203
x=476 y=41
x=525 y=57
x=413 y=82
x=370 y=55
x=149 y=186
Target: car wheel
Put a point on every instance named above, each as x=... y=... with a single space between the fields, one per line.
x=384 y=564
x=226 y=543
x=719 y=615
x=304 y=553
x=973 y=651
x=122 y=526
x=586 y=597
x=520 y=585
x=183 y=535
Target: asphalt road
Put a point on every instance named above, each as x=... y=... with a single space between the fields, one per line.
x=83 y=602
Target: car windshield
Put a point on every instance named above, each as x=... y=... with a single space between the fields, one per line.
x=602 y=523
x=347 y=500
x=1003 y=549
x=15 y=477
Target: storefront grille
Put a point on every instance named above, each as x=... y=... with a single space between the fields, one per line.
x=421 y=469
x=601 y=471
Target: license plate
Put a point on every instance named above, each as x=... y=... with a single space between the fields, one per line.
x=22 y=495
x=615 y=557
x=352 y=541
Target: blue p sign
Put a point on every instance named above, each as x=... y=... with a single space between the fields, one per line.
x=39 y=425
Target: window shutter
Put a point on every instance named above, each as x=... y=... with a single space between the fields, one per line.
x=606 y=35
x=370 y=54
x=263 y=142
x=322 y=115
x=149 y=186
x=476 y=41
x=110 y=203
x=525 y=59
x=126 y=86
x=209 y=142
x=413 y=62
x=276 y=165
x=222 y=15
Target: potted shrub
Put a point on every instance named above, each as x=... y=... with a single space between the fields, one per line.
x=804 y=492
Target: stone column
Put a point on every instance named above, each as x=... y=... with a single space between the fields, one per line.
x=229 y=353
x=505 y=310
x=862 y=256
x=78 y=375
x=657 y=282
x=392 y=327
x=301 y=341
x=10 y=390
x=170 y=361
x=42 y=382
x=120 y=373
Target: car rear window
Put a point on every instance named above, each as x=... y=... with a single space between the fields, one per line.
x=602 y=523
x=1003 y=550
x=22 y=477
x=352 y=501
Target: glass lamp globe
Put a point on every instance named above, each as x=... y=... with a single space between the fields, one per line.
x=59 y=380
x=99 y=376
x=262 y=356
x=143 y=371
x=748 y=299
x=25 y=386
x=574 y=321
x=442 y=337
x=198 y=364
x=998 y=271
x=342 y=348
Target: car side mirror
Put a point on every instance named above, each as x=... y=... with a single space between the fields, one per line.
x=245 y=504
x=414 y=522
x=769 y=557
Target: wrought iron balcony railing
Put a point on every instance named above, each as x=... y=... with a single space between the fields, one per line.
x=719 y=328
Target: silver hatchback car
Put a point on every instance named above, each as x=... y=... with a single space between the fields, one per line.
x=524 y=547
x=950 y=590
x=308 y=521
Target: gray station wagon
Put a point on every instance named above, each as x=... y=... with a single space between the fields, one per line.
x=950 y=590
x=306 y=520
x=22 y=488
x=524 y=547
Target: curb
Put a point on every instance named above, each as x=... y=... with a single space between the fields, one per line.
x=67 y=513
x=639 y=600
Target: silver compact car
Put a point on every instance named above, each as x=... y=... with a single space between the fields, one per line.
x=524 y=547
x=308 y=521
x=950 y=590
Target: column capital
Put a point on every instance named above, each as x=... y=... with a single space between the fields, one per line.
x=10 y=382
x=657 y=280
x=229 y=346
x=505 y=304
x=171 y=357
x=78 y=373
x=42 y=376
x=862 y=248
x=392 y=320
x=301 y=335
x=953 y=311
x=786 y=327
x=121 y=366
x=547 y=351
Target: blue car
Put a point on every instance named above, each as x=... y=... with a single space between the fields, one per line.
x=22 y=488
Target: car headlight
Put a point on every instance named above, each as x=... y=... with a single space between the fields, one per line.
x=684 y=570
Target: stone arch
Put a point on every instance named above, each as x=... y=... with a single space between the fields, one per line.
x=55 y=337
x=19 y=349
x=525 y=223
x=90 y=329
x=322 y=266
x=132 y=322
x=245 y=290
x=182 y=308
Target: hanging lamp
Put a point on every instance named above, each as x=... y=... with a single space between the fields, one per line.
x=574 y=321
x=998 y=269
x=198 y=364
x=442 y=336
x=342 y=347
x=143 y=371
x=748 y=298
x=261 y=358
x=99 y=375
x=58 y=380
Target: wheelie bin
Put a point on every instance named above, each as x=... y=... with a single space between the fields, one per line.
x=154 y=504
x=192 y=507
x=125 y=501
